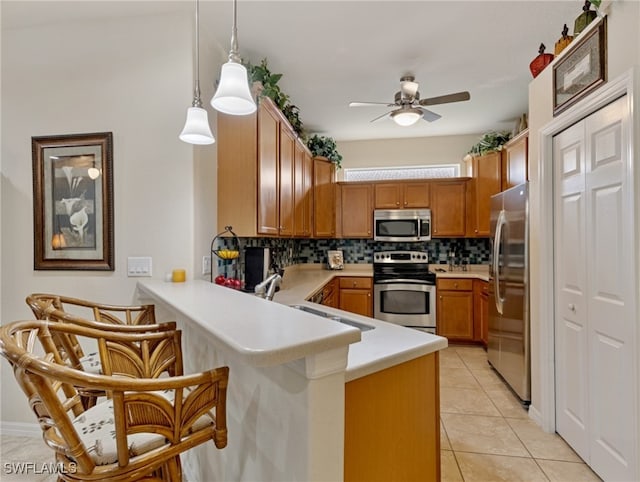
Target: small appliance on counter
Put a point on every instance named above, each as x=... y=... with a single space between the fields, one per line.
x=257 y=261
x=335 y=259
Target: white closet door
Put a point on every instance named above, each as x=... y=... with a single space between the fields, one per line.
x=595 y=305
x=611 y=304
x=572 y=410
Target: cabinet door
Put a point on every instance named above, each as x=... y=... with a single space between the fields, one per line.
x=357 y=210
x=299 y=200
x=416 y=195
x=455 y=314
x=287 y=143
x=515 y=161
x=356 y=301
x=323 y=198
x=481 y=308
x=487 y=174
x=268 y=171
x=448 y=205
x=387 y=195
x=308 y=193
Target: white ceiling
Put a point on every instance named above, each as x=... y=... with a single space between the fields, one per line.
x=334 y=52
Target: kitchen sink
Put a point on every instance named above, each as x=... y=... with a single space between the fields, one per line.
x=331 y=316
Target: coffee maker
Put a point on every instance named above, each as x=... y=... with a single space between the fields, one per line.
x=257 y=261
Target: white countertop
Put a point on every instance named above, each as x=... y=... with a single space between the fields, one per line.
x=262 y=332
x=268 y=333
x=475 y=271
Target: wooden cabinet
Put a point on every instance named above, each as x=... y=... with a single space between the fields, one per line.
x=515 y=160
x=356 y=295
x=303 y=195
x=356 y=210
x=286 y=178
x=324 y=198
x=256 y=173
x=455 y=308
x=401 y=194
x=448 y=208
x=330 y=293
x=485 y=182
x=392 y=423
x=481 y=308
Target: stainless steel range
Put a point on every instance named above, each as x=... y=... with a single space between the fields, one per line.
x=404 y=289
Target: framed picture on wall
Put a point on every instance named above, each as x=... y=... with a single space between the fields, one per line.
x=73 y=202
x=582 y=69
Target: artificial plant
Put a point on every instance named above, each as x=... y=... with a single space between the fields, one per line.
x=489 y=142
x=326 y=147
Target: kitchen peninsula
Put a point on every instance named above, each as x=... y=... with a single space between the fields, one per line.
x=309 y=398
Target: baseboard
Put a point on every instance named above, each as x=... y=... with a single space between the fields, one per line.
x=20 y=429
x=535 y=415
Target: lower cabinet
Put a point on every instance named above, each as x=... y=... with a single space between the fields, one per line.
x=356 y=295
x=392 y=423
x=330 y=293
x=481 y=306
x=454 y=308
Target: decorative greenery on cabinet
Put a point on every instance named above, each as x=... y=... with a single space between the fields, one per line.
x=325 y=147
x=489 y=142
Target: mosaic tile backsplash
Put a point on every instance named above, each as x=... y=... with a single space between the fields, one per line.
x=286 y=252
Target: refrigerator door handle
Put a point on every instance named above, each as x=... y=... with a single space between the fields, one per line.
x=497 y=241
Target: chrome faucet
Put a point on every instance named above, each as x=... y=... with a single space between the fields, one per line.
x=267 y=288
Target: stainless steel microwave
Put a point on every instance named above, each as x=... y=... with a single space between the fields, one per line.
x=409 y=225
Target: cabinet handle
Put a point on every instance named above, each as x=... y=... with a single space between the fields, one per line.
x=369 y=295
x=440 y=297
x=405 y=203
x=476 y=231
x=455 y=285
x=397 y=203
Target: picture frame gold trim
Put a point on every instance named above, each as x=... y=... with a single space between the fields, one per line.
x=582 y=69
x=73 y=202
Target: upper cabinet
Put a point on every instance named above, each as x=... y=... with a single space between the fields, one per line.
x=515 y=156
x=324 y=198
x=401 y=194
x=356 y=213
x=485 y=182
x=260 y=193
x=448 y=208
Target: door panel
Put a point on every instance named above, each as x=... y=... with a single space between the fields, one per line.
x=613 y=391
x=570 y=272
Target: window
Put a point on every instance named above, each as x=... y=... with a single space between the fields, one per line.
x=409 y=172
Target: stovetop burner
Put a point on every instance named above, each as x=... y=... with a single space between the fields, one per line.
x=402 y=265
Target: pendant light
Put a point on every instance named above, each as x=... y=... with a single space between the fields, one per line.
x=196 y=130
x=233 y=95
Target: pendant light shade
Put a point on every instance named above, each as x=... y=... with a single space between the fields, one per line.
x=406 y=117
x=233 y=95
x=196 y=129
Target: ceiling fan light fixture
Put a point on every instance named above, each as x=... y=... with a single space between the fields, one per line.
x=406 y=117
x=233 y=95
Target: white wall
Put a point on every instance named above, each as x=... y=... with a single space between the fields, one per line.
x=623 y=50
x=133 y=77
x=405 y=152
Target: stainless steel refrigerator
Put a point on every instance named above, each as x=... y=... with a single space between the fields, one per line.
x=509 y=345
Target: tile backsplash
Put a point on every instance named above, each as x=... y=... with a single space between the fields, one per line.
x=285 y=252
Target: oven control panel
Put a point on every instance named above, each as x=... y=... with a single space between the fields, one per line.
x=400 y=257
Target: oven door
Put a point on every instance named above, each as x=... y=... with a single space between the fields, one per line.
x=405 y=302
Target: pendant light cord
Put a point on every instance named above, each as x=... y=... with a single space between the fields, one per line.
x=233 y=53
x=197 y=102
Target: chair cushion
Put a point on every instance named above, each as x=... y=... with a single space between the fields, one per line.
x=96 y=429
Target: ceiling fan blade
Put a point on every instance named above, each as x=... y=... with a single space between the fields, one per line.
x=445 y=99
x=386 y=114
x=430 y=116
x=367 y=104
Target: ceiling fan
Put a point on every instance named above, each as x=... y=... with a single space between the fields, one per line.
x=410 y=107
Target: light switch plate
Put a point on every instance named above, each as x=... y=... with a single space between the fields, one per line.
x=139 y=266
x=206 y=265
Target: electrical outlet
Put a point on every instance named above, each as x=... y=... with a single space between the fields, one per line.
x=206 y=265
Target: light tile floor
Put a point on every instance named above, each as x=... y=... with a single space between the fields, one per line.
x=486 y=434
